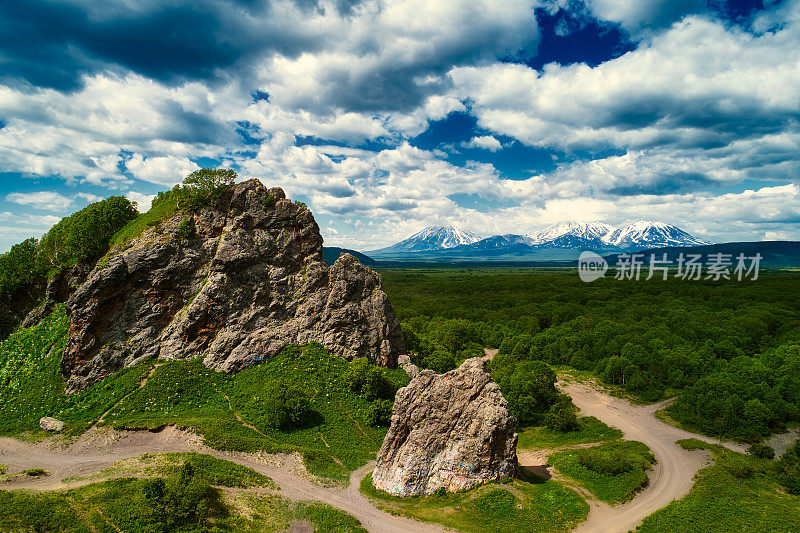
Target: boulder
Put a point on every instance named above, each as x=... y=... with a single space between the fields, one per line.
x=50 y=424
x=246 y=280
x=451 y=431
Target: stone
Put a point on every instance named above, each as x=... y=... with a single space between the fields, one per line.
x=451 y=431
x=250 y=281
x=50 y=424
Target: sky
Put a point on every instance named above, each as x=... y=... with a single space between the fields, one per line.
x=389 y=116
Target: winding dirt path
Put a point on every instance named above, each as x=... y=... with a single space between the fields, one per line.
x=670 y=479
x=100 y=448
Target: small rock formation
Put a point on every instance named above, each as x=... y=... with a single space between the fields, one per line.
x=247 y=280
x=450 y=430
x=404 y=362
x=50 y=424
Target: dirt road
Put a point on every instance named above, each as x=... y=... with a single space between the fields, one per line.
x=670 y=479
x=100 y=448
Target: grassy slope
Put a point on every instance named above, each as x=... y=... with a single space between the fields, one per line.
x=119 y=504
x=31 y=385
x=161 y=211
x=605 y=486
x=722 y=500
x=188 y=394
x=591 y=430
x=502 y=508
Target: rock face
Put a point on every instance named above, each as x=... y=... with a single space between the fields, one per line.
x=450 y=430
x=249 y=281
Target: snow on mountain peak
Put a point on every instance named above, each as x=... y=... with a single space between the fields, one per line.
x=434 y=238
x=584 y=230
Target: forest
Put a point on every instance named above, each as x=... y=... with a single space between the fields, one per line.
x=729 y=351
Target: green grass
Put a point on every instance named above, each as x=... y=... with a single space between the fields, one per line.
x=613 y=472
x=31 y=385
x=336 y=440
x=211 y=470
x=133 y=229
x=122 y=505
x=590 y=430
x=501 y=508
x=737 y=493
x=268 y=512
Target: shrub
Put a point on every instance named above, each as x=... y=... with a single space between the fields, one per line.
x=762 y=451
x=380 y=412
x=562 y=416
x=789 y=469
x=367 y=380
x=285 y=406
x=186 y=229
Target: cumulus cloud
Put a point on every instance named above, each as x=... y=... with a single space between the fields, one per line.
x=486 y=142
x=46 y=200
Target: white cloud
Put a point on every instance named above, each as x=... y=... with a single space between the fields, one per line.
x=166 y=170
x=46 y=200
x=143 y=201
x=486 y=142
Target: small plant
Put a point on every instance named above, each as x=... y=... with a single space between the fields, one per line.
x=299 y=203
x=186 y=229
x=269 y=201
x=204 y=185
x=34 y=472
x=762 y=451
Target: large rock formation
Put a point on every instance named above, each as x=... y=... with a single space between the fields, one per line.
x=450 y=430
x=249 y=280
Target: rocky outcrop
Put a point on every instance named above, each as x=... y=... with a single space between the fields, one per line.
x=450 y=430
x=48 y=423
x=234 y=283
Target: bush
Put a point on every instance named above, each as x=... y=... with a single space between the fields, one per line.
x=285 y=406
x=789 y=469
x=380 y=412
x=562 y=416
x=367 y=380
x=762 y=451
x=186 y=229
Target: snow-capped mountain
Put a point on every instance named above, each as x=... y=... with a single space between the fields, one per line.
x=559 y=241
x=581 y=230
x=651 y=234
x=430 y=239
x=496 y=242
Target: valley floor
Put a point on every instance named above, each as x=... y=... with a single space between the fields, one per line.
x=99 y=448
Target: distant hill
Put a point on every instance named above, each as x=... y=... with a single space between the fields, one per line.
x=775 y=254
x=330 y=254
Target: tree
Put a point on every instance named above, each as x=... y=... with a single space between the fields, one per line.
x=530 y=391
x=204 y=185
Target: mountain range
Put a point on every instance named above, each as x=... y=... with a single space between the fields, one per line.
x=562 y=241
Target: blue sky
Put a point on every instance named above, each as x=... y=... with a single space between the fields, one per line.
x=389 y=116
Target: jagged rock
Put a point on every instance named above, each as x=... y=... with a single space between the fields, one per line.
x=450 y=430
x=50 y=424
x=249 y=282
x=404 y=362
